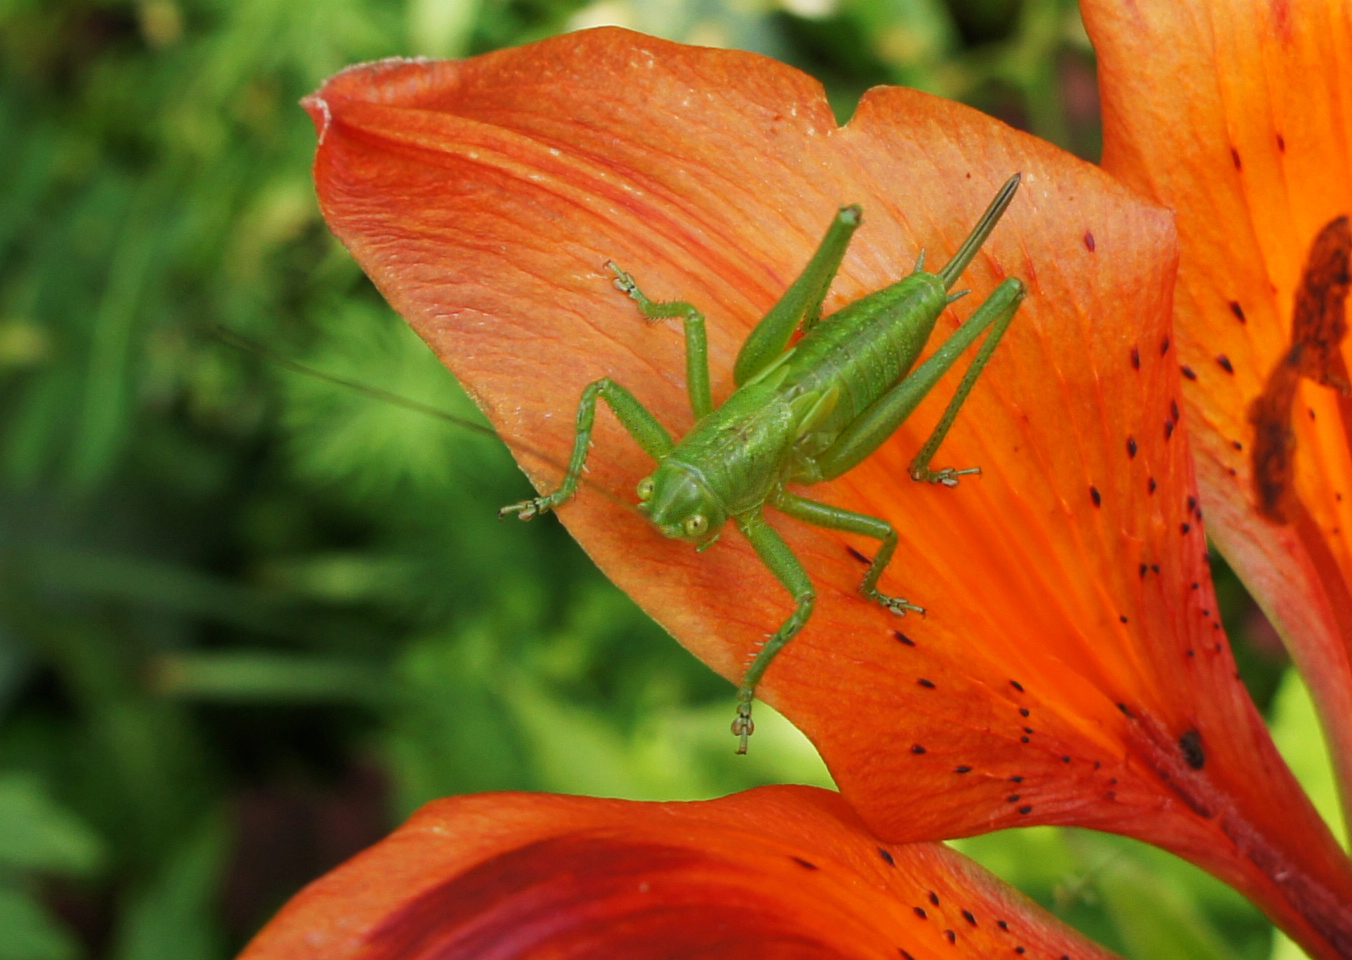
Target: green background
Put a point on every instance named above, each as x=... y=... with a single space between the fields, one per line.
x=250 y=618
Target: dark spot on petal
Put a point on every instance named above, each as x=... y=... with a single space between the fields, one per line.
x=927 y=684
x=890 y=860
x=917 y=749
x=1184 y=528
x=920 y=912
x=1191 y=745
x=1122 y=618
x=1016 y=685
x=1173 y=410
x=933 y=898
x=904 y=954
x=1281 y=143
x=969 y=916
x=1238 y=311
x=1131 y=446
x=857 y=555
x=1187 y=372
x=1225 y=363
x=1016 y=779
x=1095 y=496
x=1126 y=711
x=1013 y=798
x=1164 y=346
x=951 y=936
x=1002 y=924
x=1024 y=711
x=1024 y=740
x=1144 y=569
x=1236 y=444
x=1026 y=809
x=1135 y=359
x=1021 y=950
x=902 y=638
x=1089 y=241
x=806 y=864
x=962 y=769
x=1234 y=158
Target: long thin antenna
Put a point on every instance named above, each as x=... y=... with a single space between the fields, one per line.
x=980 y=232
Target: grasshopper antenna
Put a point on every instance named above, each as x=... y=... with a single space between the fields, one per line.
x=240 y=342
x=949 y=274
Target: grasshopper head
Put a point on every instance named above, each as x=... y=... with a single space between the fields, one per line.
x=680 y=504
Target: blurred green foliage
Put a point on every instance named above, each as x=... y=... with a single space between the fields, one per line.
x=249 y=618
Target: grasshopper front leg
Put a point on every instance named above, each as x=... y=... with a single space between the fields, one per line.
x=777 y=556
x=635 y=418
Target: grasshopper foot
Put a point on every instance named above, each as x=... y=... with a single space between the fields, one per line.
x=947 y=476
x=895 y=604
x=527 y=509
x=742 y=726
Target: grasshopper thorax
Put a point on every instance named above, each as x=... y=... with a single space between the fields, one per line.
x=679 y=503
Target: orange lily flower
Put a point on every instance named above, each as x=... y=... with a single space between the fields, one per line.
x=1236 y=115
x=1072 y=669
x=777 y=872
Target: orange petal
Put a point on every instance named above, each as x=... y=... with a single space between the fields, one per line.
x=1072 y=668
x=777 y=872
x=1236 y=113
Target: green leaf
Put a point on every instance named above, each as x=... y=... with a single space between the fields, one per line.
x=36 y=833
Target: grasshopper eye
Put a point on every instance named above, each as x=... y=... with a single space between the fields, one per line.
x=695 y=525
x=645 y=488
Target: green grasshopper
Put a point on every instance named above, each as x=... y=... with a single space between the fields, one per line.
x=799 y=416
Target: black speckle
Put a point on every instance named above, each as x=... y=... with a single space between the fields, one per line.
x=1028 y=730
x=1155 y=567
x=969 y=916
x=1131 y=446
x=1150 y=487
x=1065 y=759
x=951 y=936
x=902 y=638
x=890 y=860
x=1238 y=311
x=933 y=898
x=1016 y=779
x=1191 y=745
x=920 y=912
x=1016 y=685
x=1164 y=346
x=1281 y=143
x=1192 y=504
x=1126 y=711
x=1096 y=496
x=1236 y=444
x=1187 y=372
x=1144 y=569
x=1168 y=429
x=917 y=749
x=1020 y=950
x=1225 y=363
x=1003 y=925
x=1024 y=740
x=1135 y=359
x=857 y=555
x=1089 y=241
x=1122 y=617
x=963 y=769
x=1024 y=711
x=805 y=864
x=1013 y=798
x=1173 y=411
x=907 y=956
x=1026 y=809
x=1184 y=528
x=1234 y=158
x=927 y=684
